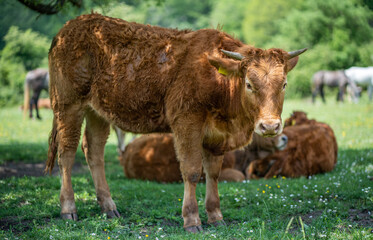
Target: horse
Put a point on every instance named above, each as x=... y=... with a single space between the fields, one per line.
x=362 y=76
x=332 y=79
x=36 y=80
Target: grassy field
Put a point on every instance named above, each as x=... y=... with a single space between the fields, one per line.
x=336 y=205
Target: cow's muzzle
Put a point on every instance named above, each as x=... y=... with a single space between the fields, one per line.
x=268 y=127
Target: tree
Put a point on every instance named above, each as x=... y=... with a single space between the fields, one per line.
x=259 y=24
x=180 y=14
x=228 y=15
x=23 y=51
x=337 y=33
x=50 y=7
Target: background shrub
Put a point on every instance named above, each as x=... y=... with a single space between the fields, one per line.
x=23 y=51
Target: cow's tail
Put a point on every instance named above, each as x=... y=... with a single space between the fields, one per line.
x=26 y=99
x=53 y=146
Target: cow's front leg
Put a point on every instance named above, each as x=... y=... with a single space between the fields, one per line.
x=188 y=146
x=191 y=172
x=212 y=167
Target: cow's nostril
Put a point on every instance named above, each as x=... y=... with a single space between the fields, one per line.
x=262 y=127
x=284 y=138
x=277 y=127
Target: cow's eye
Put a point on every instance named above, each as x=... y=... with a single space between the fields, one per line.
x=283 y=87
x=248 y=85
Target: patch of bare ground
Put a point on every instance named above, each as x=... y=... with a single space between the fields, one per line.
x=17 y=225
x=17 y=169
x=357 y=217
x=362 y=217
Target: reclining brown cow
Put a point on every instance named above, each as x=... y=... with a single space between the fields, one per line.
x=152 y=157
x=311 y=149
x=209 y=89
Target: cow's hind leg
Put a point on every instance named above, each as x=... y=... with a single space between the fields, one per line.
x=68 y=124
x=94 y=140
x=212 y=167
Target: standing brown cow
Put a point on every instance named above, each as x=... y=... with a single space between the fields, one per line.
x=209 y=89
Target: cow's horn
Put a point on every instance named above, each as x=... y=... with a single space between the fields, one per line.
x=233 y=55
x=296 y=53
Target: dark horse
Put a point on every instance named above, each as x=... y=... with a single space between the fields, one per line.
x=332 y=79
x=36 y=80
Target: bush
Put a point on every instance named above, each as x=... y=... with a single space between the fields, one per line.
x=337 y=33
x=23 y=51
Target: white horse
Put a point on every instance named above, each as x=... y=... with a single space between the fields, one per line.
x=362 y=76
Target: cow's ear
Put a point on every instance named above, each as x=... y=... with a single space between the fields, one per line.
x=291 y=63
x=225 y=66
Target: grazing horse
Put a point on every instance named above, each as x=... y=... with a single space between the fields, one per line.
x=36 y=80
x=362 y=76
x=211 y=90
x=332 y=79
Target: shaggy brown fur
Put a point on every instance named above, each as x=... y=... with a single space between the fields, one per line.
x=312 y=148
x=150 y=79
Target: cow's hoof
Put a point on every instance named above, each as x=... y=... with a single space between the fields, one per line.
x=112 y=214
x=69 y=216
x=194 y=229
x=218 y=223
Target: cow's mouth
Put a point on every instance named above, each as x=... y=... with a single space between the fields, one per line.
x=268 y=127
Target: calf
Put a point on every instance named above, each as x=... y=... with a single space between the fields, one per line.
x=207 y=88
x=311 y=149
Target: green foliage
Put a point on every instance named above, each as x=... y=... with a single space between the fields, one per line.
x=228 y=15
x=187 y=14
x=337 y=33
x=124 y=11
x=259 y=24
x=23 y=51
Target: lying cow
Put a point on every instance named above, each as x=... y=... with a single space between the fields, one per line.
x=311 y=149
x=209 y=89
x=152 y=157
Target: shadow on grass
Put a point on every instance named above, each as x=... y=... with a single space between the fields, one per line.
x=37 y=152
x=28 y=159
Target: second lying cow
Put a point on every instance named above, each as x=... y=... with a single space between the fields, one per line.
x=311 y=149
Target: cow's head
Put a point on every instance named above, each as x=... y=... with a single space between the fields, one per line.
x=264 y=75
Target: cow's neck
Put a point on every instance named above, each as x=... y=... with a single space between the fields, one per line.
x=223 y=135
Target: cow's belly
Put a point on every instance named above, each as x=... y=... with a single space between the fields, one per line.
x=133 y=111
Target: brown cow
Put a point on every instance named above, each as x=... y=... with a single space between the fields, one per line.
x=152 y=157
x=209 y=89
x=311 y=149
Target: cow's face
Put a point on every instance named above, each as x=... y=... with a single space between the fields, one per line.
x=264 y=76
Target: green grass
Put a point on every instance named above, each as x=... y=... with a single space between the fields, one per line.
x=336 y=205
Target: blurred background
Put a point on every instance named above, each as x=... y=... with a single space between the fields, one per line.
x=338 y=33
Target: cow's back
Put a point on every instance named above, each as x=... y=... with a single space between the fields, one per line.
x=129 y=72
x=116 y=66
